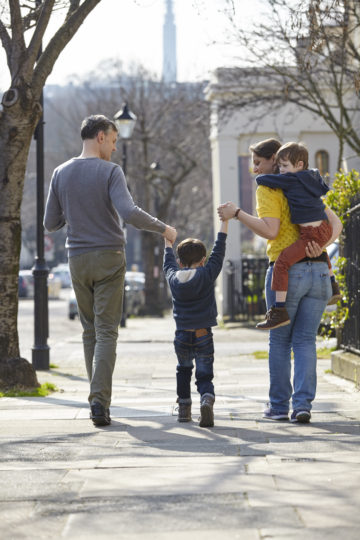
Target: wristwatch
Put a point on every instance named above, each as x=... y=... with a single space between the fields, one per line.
x=237 y=213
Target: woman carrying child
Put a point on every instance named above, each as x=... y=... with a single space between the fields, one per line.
x=308 y=292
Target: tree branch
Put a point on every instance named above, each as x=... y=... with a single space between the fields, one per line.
x=59 y=41
x=35 y=43
x=74 y=4
x=5 y=40
x=17 y=46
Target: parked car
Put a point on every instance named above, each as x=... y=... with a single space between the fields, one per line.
x=134 y=292
x=134 y=295
x=26 y=284
x=72 y=305
x=63 y=273
x=54 y=286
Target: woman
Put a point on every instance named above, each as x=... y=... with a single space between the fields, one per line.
x=308 y=293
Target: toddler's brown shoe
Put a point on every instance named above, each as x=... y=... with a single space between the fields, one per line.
x=275 y=317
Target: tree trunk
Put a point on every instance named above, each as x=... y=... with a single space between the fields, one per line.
x=151 y=260
x=17 y=122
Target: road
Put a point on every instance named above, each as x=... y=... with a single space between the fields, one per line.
x=60 y=326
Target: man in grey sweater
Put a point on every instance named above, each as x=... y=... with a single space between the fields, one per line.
x=88 y=194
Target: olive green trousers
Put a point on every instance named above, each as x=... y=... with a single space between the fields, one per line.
x=98 y=281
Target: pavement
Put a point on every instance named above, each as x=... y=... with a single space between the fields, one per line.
x=148 y=477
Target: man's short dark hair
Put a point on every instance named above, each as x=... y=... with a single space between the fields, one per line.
x=190 y=251
x=91 y=126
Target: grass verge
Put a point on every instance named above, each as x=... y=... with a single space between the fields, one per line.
x=42 y=391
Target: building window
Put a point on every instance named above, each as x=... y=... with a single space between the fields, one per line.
x=322 y=162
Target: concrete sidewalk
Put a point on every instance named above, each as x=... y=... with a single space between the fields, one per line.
x=148 y=477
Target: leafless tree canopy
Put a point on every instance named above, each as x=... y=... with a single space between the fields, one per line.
x=168 y=165
x=305 y=52
x=22 y=28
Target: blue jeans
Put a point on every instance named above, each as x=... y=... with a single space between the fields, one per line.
x=189 y=347
x=308 y=293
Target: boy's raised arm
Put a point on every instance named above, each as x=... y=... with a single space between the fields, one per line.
x=224 y=226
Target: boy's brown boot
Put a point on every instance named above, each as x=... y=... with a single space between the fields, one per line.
x=336 y=294
x=184 y=410
x=275 y=317
x=207 y=410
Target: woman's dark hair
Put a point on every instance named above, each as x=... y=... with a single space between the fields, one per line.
x=91 y=126
x=266 y=148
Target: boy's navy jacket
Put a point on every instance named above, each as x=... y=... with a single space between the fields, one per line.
x=303 y=190
x=192 y=289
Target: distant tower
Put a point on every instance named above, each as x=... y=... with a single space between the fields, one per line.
x=169 y=45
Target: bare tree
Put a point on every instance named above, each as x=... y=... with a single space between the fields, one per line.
x=169 y=166
x=172 y=130
x=22 y=28
x=306 y=53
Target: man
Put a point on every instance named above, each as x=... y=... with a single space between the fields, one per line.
x=88 y=194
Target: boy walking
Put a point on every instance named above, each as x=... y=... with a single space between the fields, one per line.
x=303 y=189
x=194 y=308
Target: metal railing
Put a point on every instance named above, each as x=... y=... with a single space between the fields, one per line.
x=245 y=288
x=350 y=339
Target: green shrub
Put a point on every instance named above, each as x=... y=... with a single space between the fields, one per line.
x=340 y=199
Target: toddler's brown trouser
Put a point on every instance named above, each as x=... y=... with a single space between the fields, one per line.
x=296 y=251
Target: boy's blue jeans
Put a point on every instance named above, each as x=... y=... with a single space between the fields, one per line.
x=189 y=347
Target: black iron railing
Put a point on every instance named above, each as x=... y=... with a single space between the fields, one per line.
x=245 y=288
x=350 y=339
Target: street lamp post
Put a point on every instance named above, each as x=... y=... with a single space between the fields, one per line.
x=41 y=350
x=125 y=121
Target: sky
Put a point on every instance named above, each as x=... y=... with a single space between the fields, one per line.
x=131 y=31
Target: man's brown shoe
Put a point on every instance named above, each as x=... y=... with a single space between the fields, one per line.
x=275 y=317
x=336 y=294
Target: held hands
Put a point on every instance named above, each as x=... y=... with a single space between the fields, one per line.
x=169 y=235
x=226 y=211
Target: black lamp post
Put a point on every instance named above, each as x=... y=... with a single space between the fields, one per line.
x=40 y=350
x=125 y=121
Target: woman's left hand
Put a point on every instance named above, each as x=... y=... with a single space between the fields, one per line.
x=227 y=210
x=313 y=249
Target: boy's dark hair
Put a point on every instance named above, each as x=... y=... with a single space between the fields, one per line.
x=91 y=126
x=266 y=148
x=190 y=251
x=294 y=152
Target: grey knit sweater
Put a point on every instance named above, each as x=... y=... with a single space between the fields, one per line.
x=89 y=195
